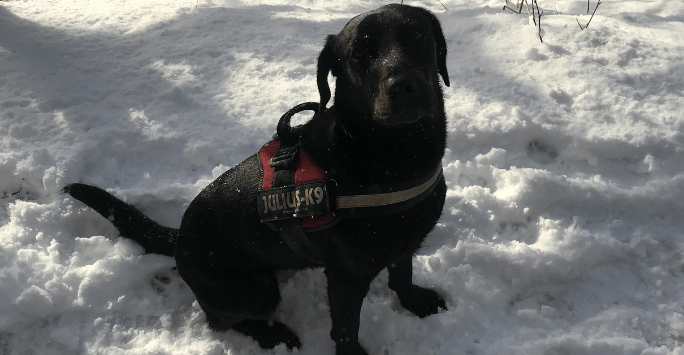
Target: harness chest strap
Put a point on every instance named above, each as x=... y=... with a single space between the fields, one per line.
x=376 y=200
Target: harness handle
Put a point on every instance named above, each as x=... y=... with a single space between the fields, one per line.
x=285 y=132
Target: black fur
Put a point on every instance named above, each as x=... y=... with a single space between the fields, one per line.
x=387 y=125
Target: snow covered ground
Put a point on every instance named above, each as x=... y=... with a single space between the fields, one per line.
x=563 y=231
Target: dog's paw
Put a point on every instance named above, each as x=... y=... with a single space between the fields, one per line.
x=420 y=301
x=268 y=333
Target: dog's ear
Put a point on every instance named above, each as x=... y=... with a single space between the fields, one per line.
x=441 y=46
x=327 y=62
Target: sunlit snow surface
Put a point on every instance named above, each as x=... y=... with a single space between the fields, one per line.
x=563 y=230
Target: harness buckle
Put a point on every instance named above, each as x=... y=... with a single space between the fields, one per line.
x=285 y=158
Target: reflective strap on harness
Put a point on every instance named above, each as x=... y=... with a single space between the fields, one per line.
x=376 y=200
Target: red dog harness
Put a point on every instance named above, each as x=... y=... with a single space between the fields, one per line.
x=307 y=171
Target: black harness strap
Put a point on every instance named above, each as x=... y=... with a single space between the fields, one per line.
x=285 y=164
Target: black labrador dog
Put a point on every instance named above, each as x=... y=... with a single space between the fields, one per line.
x=385 y=131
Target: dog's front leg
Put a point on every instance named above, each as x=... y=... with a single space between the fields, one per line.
x=420 y=301
x=346 y=294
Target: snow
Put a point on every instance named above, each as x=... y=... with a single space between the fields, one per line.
x=563 y=230
x=34 y=301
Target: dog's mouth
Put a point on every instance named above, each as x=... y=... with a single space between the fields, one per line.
x=404 y=117
x=395 y=112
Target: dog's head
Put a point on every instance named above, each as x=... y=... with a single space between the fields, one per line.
x=387 y=63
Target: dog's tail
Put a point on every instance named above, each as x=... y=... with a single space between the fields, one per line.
x=130 y=222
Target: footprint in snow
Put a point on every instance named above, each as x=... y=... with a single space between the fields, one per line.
x=541 y=152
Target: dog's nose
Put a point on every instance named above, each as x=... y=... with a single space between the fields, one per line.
x=401 y=88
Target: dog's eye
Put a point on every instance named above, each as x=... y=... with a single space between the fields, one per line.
x=359 y=53
x=417 y=35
